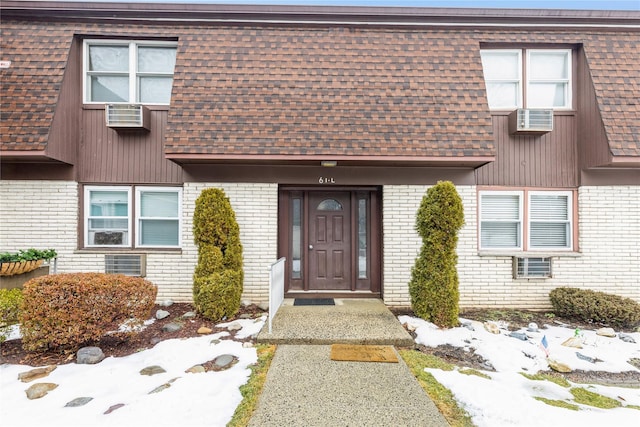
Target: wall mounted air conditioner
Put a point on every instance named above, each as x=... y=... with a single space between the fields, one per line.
x=531 y=121
x=129 y=265
x=532 y=268
x=127 y=116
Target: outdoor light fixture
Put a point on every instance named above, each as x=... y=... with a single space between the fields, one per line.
x=328 y=163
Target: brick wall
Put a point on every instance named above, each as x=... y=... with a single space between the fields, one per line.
x=608 y=260
x=49 y=219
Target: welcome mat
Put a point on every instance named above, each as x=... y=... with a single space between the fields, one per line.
x=314 y=301
x=363 y=353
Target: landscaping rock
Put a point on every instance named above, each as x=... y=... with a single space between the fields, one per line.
x=162 y=387
x=36 y=373
x=587 y=358
x=189 y=315
x=78 y=401
x=234 y=326
x=264 y=306
x=519 y=335
x=533 y=327
x=224 y=361
x=574 y=342
x=606 y=332
x=214 y=341
x=171 y=327
x=559 y=366
x=166 y=303
x=39 y=390
x=491 y=327
x=113 y=408
x=627 y=338
x=89 y=356
x=204 y=330
x=245 y=316
x=152 y=370
x=247 y=344
x=162 y=314
x=196 y=369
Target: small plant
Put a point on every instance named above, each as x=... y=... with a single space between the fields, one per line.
x=28 y=255
x=586 y=397
x=10 y=300
x=434 y=278
x=469 y=371
x=597 y=307
x=561 y=381
x=558 y=403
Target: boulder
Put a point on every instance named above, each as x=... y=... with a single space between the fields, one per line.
x=162 y=314
x=152 y=370
x=89 y=356
x=204 y=330
x=171 y=327
x=574 y=342
x=491 y=327
x=78 y=401
x=36 y=373
x=39 y=390
x=606 y=332
x=559 y=366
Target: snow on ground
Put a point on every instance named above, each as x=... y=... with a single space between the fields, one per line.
x=507 y=399
x=193 y=399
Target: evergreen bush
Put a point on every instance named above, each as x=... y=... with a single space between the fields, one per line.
x=10 y=301
x=218 y=277
x=594 y=306
x=434 y=278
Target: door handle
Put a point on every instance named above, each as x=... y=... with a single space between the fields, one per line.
x=310 y=247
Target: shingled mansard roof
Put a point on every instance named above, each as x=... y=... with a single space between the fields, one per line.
x=290 y=82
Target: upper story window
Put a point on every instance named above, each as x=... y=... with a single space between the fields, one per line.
x=526 y=220
x=114 y=217
x=527 y=78
x=128 y=71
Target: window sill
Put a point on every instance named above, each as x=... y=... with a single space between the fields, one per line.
x=101 y=106
x=530 y=254
x=556 y=112
x=127 y=251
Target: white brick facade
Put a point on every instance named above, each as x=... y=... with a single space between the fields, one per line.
x=44 y=214
x=608 y=258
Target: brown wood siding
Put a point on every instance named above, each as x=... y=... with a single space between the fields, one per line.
x=592 y=138
x=107 y=156
x=548 y=160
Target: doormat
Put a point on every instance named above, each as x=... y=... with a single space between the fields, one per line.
x=363 y=353
x=314 y=301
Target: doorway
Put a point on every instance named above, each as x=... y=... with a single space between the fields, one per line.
x=331 y=240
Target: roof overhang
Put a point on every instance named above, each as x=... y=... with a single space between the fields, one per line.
x=28 y=156
x=317 y=160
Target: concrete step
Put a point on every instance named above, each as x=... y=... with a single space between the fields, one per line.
x=349 y=321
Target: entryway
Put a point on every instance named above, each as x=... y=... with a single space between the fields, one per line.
x=331 y=241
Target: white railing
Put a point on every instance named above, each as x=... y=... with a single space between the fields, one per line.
x=276 y=288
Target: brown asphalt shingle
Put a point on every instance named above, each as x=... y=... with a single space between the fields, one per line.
x=292 y=90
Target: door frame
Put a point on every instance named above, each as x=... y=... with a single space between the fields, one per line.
x=370 y=287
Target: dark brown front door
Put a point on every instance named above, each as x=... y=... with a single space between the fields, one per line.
x=330 y=241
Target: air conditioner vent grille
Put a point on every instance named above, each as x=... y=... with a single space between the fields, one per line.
x=533 y=121
x=127 y=116
x=531 y=268
x=129 y=265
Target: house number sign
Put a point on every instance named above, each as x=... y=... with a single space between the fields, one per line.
x=326 y=180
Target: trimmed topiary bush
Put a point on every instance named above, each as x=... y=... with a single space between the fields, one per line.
x=594 y=306
x=66 y=311
x=10 y=301
x=434 y=278
x=218 y=277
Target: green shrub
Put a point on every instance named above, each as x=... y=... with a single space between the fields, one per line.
x=66 y=311
x=10 y=300
x=594 y=306
x=434 y=279
x=218 y=277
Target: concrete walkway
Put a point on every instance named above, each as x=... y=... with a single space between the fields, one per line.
x=305 y=387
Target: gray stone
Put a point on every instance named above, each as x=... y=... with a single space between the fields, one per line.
x=606 y=332
x=214 y=341
x=533 y=327
x=196 y=369
x=171 y=327
x=627 y=338
x=152 y=370
x=189 y=315
x=223 y=361
x=89 y=356
x=39 y=390
x=518 y=335
x=162 y=387
x=264 y=306
x=246 y=303
x=162 y=314
x=166 y=303
x=155 y=340
x=36 y=373
x=245 y=316
x=113 y=408
x=78 y=401
x=234 y=326
x=587 y=358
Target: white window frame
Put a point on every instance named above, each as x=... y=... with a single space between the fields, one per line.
x=568 y=221
x=133 y=214
x=133 y=74
x=139 y=218
x=481 y=220
x=567 y=81
x=518 y=81
x=88 y=217
x=524 y=83
x=525 y=220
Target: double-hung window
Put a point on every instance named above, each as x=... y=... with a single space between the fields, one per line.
x=128 y=217
x=527 y=78
x=128 y=71
x=526 y=220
